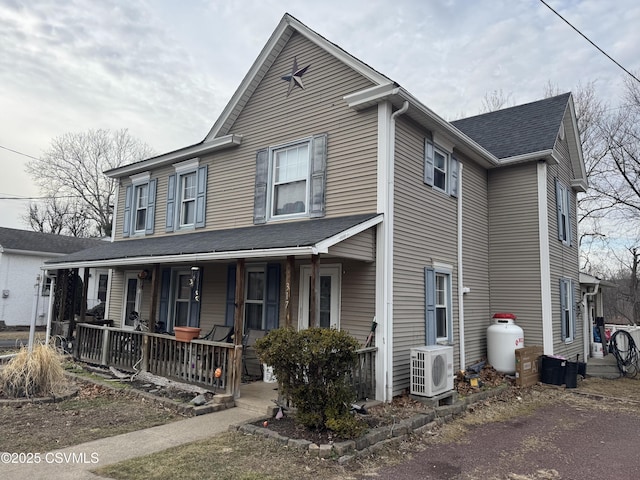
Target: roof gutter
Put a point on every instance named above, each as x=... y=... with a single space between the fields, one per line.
x=398 y=95
x=186 y=153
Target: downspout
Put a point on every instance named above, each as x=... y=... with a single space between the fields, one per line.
x=461 y=290
x=389 y=250
x=586 y=330
x=52 y=293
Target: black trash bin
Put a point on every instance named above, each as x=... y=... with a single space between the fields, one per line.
x=552 y=370
x=571 y=374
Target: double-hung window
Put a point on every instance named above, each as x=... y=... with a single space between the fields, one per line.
x=290 y=188
x=438 y=307
x=141 y=198
x=567 y=310
x=563 y=203
x=139 y=208
x=187 y=199
x=290 y=180
x=440 y=169
x=186 y=196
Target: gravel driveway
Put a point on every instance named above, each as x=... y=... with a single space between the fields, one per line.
x=571 y=437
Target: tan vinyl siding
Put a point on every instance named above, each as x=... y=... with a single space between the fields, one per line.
x=475 y=259
x=214 y=296
x=359 y=247
x=564 y=259
x=514 y=256
x=270 y=118
x=425 y=229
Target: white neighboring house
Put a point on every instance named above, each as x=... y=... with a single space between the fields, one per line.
x=24 y=289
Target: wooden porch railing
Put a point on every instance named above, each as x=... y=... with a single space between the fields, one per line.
x=364 y=373
x=192 y=362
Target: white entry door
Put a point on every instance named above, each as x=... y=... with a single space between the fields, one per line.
x=330 y=288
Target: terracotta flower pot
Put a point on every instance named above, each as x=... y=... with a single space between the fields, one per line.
x=186 y=334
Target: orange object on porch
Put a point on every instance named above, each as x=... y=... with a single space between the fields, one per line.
x=186 y=334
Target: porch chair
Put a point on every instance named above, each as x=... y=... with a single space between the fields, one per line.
x=220 y=333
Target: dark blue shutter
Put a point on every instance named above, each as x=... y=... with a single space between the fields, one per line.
x=151 y=207
x=229 y=316
x=201 y=197
x=428 y=162
x=165 y=295
x=453 y=181
x=272 y=296
x=573 y=308
x=196 y=299
x=430 y=305
x=171 y=204
x=569 y=229
x=126 y=222
x=318 y=175
x=563 y=307
x=559 y=208
x=260 y=193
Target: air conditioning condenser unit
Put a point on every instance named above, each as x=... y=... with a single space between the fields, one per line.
x=431 y=370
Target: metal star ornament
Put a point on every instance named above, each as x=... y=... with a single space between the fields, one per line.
x=295 y=77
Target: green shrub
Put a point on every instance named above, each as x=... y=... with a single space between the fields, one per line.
x=313 y=369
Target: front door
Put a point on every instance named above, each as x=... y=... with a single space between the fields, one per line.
x=330 y=287
x=131 y=299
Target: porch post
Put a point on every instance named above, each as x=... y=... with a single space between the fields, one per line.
x=74 y=296
x=153 y=310
x=288 y=274
x=85 y=294
x=314 y=303
x=238 y=322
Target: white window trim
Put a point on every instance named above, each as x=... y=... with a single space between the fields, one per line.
x=183 y=169
x=569 y=307
x=175 y=285
x=138 y=180
x=260 y=268
x=271 y=176
x=447 y=169
x=181 y=199
x=445 y=270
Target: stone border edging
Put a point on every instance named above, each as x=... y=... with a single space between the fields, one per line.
x=378 y=439
x=52 y=399
x=220 y=402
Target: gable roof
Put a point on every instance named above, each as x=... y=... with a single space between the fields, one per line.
x=520 y=130
x=268 y=240
x=15 y=240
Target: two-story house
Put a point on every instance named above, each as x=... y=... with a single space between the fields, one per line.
x=326 y=194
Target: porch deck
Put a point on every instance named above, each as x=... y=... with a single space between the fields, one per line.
x=217 y=366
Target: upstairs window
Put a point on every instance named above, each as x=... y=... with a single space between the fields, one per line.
x=186 y=196
x=563 y=204
x=440 y=169
x=290 y=180
x=187 y=199
x=139 y=206
x=141 y=197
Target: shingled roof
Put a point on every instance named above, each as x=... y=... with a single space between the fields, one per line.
x=520 y=130
x=259 y=237
x=28 y=241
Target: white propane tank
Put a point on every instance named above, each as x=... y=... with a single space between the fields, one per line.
x=503 y=338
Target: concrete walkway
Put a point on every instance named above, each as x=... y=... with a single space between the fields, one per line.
x=76 y=463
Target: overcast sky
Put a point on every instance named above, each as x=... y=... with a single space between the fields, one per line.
x=165 y=69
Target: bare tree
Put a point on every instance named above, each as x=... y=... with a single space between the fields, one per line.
x=73 y=167
x=496 y=100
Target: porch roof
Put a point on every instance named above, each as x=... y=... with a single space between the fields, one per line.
x=308 y=237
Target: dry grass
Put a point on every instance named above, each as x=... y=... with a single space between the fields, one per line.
x=38 y=373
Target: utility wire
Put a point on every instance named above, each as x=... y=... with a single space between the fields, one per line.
x=38 y=198
x=588 y=40
x=19 y=153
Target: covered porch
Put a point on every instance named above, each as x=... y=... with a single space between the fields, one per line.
x=312 y=273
